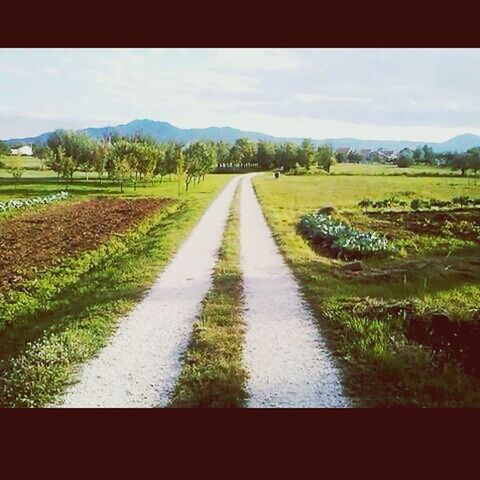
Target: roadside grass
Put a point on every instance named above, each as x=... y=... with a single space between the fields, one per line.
x=364 y=316
x=213 y=374
x=72 y=314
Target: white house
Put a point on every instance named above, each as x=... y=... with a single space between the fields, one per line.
x=25 y=150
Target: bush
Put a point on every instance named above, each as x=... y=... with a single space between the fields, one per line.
x=418 y=203
x=463 y=201
x=404 y=162
x=333 y=234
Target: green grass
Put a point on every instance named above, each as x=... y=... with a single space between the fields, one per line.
x=212 y=373
x=381 y=366
x=68 y=318
x=380 y=169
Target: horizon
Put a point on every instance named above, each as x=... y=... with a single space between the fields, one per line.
x=228 y=126
x=367 y=94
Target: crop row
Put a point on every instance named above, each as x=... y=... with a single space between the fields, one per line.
x=330 y=233
x=32 y=202
x=418 y=203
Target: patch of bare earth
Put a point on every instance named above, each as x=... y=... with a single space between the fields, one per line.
x=33 y=243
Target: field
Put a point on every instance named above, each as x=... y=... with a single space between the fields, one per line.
x=400 y=324
x=97 y=258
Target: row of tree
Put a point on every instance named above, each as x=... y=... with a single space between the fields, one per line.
x=470 y=160
x=265 y=155
x=134 y=159
x=465 y=161
x=140 y=158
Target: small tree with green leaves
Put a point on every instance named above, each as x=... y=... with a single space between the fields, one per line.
x=325 y=157
x=16 y=170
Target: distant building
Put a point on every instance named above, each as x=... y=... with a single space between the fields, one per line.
x=25 y=150
x=343 y=150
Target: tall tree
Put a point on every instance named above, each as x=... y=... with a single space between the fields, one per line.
x=265 y=154
x=306 y=153
x=325 y=157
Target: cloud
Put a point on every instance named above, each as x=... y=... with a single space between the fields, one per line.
x=359 y=90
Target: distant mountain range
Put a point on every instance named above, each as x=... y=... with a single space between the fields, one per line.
x=164 y=131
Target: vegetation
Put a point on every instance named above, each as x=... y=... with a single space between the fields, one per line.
x=213 y=374
x=31 y=202
x=398 y=323
x=72 y=308
x=330 y=233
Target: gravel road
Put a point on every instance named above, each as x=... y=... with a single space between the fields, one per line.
x=139 y=366
x=288 y=362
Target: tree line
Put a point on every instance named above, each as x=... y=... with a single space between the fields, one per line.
x=140 y=159
x=125 y=159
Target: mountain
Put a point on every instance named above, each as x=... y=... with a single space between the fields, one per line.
x=164 y=131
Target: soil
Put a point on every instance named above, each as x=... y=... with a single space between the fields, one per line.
x=426 y=223
x=33 y=243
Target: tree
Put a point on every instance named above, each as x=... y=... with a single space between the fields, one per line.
x=458 y=161
x=119 y=159
x=4 y=149
x=404 y=161
x=474 y=159
x=198 y=160
x=43 y=152
x=222 y=153
x=146 y=159
x=428 y=154
x=265 y=155
x=286 y=156
x=354 y=157
x=99 y=158
x=174 y=159
x=16 y=169
x=242 y=153
x=341 y=156
x=325 y=157
x=419 y=154
x=160 y=163
x=306 y=154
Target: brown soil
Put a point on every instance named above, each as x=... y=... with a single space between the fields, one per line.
x=430 y=223
x=32 y=243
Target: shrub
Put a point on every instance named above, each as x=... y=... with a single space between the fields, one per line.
x=418 y=203
x=463 y=201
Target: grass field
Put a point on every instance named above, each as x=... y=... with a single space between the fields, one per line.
x=381 y=169
x=59 y=320
x=365 y=315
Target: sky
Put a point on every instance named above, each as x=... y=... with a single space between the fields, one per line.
x=386 y=94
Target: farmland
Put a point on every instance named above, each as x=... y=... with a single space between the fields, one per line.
x=389 y=318
x=398 y=319
x=97 y=258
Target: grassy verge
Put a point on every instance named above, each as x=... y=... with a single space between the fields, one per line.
x=47 y=338
x=212 y=373
x=364 y=318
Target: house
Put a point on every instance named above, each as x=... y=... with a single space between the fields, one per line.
x=25 y=150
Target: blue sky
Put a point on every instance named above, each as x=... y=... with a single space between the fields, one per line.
x=415 y=94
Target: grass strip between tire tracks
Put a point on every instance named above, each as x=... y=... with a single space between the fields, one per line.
x=213 y=374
